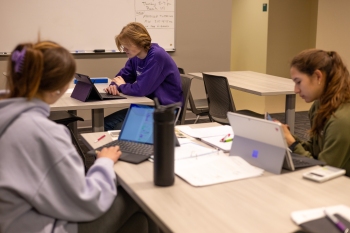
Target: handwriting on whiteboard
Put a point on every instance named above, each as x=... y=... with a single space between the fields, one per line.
x=155 y=13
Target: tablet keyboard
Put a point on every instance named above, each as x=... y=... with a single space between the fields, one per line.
x=300 y=163
x=131 y=147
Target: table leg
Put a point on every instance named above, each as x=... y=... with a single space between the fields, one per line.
x=97 y=120
x=290 y=111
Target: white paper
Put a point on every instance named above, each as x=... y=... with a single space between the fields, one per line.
x=114 y=134
x=184 y=140
x=221 y=130
x=214 y=169
x=69 y=90
x=192 y=149
x=302 y=216
x=217 y=143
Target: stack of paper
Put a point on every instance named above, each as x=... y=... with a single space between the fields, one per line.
x=214 y=169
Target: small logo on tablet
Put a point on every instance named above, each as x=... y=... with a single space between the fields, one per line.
x=255 y=154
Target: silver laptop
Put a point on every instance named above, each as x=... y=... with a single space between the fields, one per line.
x=262 y=144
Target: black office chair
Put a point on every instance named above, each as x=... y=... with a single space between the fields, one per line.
x=220 y=99
x=181 y=70
x=186 y=87
x=66 y=118
x=197 y=106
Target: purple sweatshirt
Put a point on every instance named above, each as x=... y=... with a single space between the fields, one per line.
x=156 y=75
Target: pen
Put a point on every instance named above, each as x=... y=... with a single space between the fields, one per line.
x=79 y=51
x=4 y=53
x=337 y=222
x=228 y=140
x=223 y=139
x=100 y=138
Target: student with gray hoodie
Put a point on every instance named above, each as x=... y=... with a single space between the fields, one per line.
x=43 y=186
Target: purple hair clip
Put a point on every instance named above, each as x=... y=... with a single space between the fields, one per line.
x=18 y=58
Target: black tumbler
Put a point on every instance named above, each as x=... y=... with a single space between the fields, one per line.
x=163 y=141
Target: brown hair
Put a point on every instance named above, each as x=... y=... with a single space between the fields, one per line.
x=46 y=66
x=337 y=82
x=136 y=34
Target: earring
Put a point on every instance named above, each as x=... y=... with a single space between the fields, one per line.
x=58 y=92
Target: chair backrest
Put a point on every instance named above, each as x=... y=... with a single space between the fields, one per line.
x=186 y=87
x=181 y=70
x=190 y=97
x=219 y=97
x=191 y=102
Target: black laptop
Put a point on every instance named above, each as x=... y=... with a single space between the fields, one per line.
x=86 y=91
x=136 y=136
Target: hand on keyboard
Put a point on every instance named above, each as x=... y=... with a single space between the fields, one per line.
x=112 y=152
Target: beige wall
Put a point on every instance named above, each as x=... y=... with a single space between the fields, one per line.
x=249 y=35
x=333 y=27
x=271 y=39
x=202 y=37
x=287 y=36
x=292 y=28
x=248 y=47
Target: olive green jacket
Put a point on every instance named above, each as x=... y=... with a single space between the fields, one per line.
x=333 y=145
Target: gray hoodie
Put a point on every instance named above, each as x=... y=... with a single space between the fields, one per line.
x=43 y=187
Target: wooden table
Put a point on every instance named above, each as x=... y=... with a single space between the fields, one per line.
x=261 y=204
x=97 y=107
x=262 y=85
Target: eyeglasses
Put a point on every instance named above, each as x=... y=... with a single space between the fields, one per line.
x=124 y=48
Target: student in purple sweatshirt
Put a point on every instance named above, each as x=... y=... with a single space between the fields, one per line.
x=43 y=186
x=150 y=72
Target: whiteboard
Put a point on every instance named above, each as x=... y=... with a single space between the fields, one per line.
x=84 y=24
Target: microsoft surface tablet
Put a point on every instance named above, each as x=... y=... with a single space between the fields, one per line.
x=262 y=144
x=85 y=90
x=258 y=141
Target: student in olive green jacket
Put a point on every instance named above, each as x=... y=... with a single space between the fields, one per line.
x=322 y=77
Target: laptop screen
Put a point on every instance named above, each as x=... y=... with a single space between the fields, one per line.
x=138 y=124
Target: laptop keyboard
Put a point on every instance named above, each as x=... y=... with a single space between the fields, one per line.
x=131 y=147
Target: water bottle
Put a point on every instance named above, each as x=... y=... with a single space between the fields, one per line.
x=163 y=141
